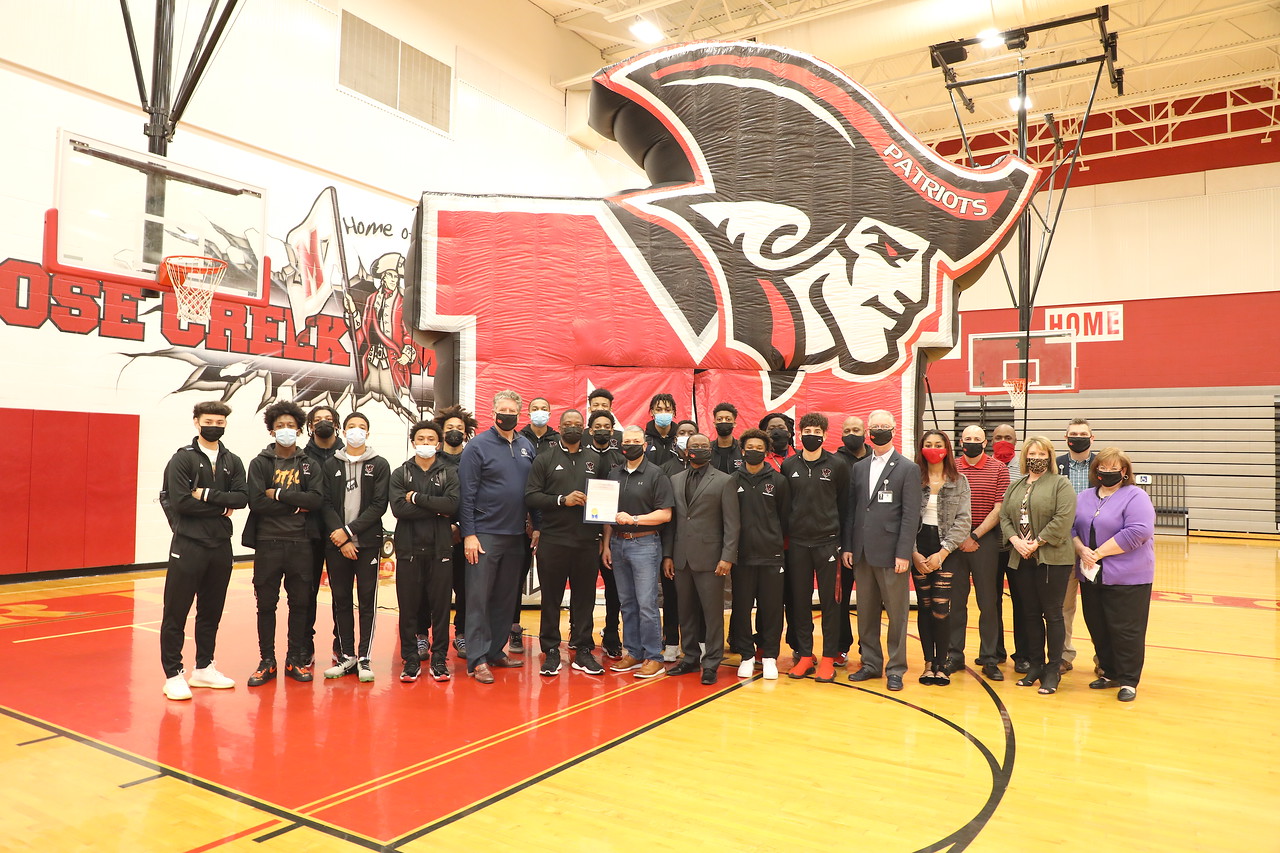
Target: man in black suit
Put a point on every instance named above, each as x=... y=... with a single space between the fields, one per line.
x=879 y=539
x=699 y=548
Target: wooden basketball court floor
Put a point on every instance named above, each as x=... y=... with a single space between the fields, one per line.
x=93 y=757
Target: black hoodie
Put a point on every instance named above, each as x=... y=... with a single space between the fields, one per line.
x=297 y=484
x=551 y=436
x=658 y=449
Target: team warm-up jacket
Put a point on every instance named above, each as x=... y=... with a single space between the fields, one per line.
x=764 y=501
x=222 y=487
x=373 y=477
x=819 y=498
x=674 y=465
x=549 y=438
x=601 y=462
x=492 y=476
x=297 y=484
x=658 y=448
x=555 y=473
x=726 y=459
x=315 y=520
x=424 y=523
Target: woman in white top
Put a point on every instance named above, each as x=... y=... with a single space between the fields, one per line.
x=944 y=524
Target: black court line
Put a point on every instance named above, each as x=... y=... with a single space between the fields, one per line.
x=1001 y=771
x=238 y=796
x=39 y=740
x=277 y=832
x=143 y=779
x=572 y=762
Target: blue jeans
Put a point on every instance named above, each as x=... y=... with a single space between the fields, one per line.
x=636 y=566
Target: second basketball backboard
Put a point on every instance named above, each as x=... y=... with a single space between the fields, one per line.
x=995 y=357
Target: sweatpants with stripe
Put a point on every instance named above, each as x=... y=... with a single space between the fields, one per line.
x=198 y=572
x=363 y=573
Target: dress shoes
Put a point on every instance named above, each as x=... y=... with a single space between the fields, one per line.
x=505 y=662
x=1103 y=683
x=482 y=674
x=1127 y=694
x=865 y=674
x=1022 y=666
x=894 y=682
x=684 y=667
x=992 y=672
x=710 y=676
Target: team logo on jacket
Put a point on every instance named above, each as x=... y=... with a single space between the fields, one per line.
x=306 y=468
x=368 y=469
x=591 y=467
x=826 y=473
x=768 y=488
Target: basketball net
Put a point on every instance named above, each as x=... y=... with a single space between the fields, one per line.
x=194 y=280
x=1017 y=389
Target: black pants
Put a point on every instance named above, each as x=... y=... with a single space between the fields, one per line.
x=363 y=572
x=525 y=570
x=573 y=563
x=805 y=562
x=933 y=600
x=1020 y=644
x=761 y=586
x=197 y=573
x=318 y=547
x=492 y=584
x=290 y=561
x=611 y=634
x=846 y=604
x=1040 y=589
x=1117 y=619
x=671 y=613
x=422 y=583
x=982 y=567
x=701 y=597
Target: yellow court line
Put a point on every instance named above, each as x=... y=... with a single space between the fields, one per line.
x=143 y=626
x=400 y=774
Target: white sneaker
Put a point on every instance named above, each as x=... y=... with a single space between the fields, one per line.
x=747 y=668
x=210 y=677
x=176 y=688
x=770 y=668
x=366 y=670
x=340 y=668
x=670 y=654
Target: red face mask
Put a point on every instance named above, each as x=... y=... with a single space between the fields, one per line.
x=933 y=455
x=1003 y=450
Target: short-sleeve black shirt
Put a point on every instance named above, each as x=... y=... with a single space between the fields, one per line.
x=642 y=491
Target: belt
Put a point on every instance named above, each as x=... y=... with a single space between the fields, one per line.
x=637 y=535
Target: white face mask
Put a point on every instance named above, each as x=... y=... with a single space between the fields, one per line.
x=286 y=437
x=539 y=418
x=682 y=441
x=424 y=451
x=355 y=437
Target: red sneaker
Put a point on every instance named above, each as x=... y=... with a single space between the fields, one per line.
x=826 y=671
x=803 y=667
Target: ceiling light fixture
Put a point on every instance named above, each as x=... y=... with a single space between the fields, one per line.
x=646 y=31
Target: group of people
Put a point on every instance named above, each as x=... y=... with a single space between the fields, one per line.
x=776 y=516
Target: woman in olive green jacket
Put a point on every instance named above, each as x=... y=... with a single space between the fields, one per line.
x=1036 y=517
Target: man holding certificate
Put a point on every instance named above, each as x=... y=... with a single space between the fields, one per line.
x=633 y=550
x=569 y=547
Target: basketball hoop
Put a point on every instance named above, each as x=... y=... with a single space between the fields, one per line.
x=194 y=280
x=1017 y=389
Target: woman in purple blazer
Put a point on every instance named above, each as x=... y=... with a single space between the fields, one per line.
x=1113 y=535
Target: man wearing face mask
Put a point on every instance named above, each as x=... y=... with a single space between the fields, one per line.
x=1004 y=447
x=569 y=548
x=203 y=483
x=602 y=458
x=978 y=556
x=880 y=535
x=700 y=547
x=322 y=423
x=493 y=474
x=679 y=458
x=459 y=426
x=660 y=433
x=356 y=485
x=853 y=448
x=819 y=482
x=764 y=504
x=284 y=485
x=541 y=436
x=671 y=620
x=781 y=430
x=726 y=455
x=601 y=400
x=1074 y=465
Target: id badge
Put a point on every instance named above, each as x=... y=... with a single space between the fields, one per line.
x=1024 y=519
x=884 y=496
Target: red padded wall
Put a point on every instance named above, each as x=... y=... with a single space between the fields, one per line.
x=15 y=473
x=59 y=472
x=111 y=493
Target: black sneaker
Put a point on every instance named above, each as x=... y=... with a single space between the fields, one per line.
x=265 y=672
x=550 y=663
x=613 y=651
x=410 y=672
x=584 y=661
x=460 y=646
x=517 y=642
x=439 y=669
x=297 y=671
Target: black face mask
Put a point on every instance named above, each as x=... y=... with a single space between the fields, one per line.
x=699 y=455
x=811 y=442
x=724 y=430
x=212 y=433
x=1079 y=443
x=753 y=457
x=881 y=437
x=571 y=435
x=854 y=442
x=602 y=436
x=972 y=449
x=506 y=423
x=780 y=439
x=454 y=438
x=1110 y=478
x=323 y=429
x=633 y=451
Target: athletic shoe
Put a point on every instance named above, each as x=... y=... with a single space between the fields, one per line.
x=366 y=670
x=210 y=677
x=626 y=663
x=770 y=669
x=176 y=688
x=422 y=646
x=439 y=669
x=670 y=654
x=516 y=646
x=613 y=652
x=344 y=667
x=650 y=668
x=298 y=671
x=584 y=661
x=842 y=659
x=460 y=646
x=747 y=668
x=550 y=663
x=265 y=672
x=410 y=673
x=803 y=667
x=826 y=670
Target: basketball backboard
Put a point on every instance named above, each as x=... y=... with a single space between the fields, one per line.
x=118 y=213
x=997 y=356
